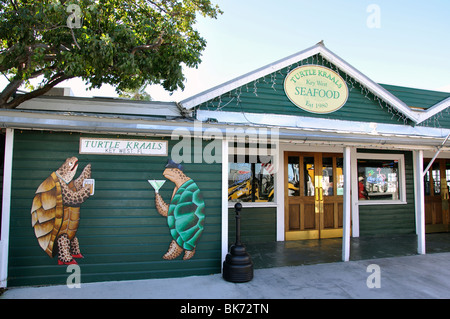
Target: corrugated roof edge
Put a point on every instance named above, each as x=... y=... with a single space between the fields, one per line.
x=102 y=105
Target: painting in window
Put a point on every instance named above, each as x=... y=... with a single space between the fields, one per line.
x=250 y=182
x=378 y=179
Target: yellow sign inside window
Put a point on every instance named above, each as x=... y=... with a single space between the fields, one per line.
x=316 y=89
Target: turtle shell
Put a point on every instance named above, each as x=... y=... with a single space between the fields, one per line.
x=186 y=215
x=49 y=217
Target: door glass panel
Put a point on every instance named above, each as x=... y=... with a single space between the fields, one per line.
x=327 y=176
x=436 y=174
x=427 y=183
x=447 y=173
x=339 y=176
x=308 y=173
x=293 y=176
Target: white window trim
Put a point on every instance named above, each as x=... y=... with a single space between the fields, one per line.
x=402 y=179
x=273 y=153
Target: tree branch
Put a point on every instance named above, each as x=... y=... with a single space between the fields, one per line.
x=14 y=4
x=159 y=7
x=9 y=90
x=74 y=39
x=155 y=45
x=57 y=78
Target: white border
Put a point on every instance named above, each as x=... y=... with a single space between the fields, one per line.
x=6 y=207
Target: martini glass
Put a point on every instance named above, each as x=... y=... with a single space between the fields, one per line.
x=157 y=183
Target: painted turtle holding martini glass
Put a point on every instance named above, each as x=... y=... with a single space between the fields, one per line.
x=185 y=213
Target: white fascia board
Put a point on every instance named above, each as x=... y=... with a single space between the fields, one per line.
x=99 y=105
x=346 y=128
x=375 y=88
x=327 y=54
x=214 y=92
x=435 y=109
x=23 y=119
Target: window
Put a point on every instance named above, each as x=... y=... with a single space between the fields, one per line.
x=381 y=178
x=250 y=182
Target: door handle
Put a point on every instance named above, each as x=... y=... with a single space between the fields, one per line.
x=319 y=194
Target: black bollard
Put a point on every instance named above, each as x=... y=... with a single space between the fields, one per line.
x=238 y=266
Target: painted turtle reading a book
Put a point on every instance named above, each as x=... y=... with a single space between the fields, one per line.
x=185 y=214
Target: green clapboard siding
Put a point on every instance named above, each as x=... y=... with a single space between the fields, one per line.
x=122 y=236
x=377 y=220
x=266 y=95
x=258 y=225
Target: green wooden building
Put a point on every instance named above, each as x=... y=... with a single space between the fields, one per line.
x=309 y=145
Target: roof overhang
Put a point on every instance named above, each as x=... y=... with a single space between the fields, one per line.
x=97 y=105
x=301 y=129
x=290 y=129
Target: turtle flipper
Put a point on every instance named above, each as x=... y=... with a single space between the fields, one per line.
x=64 y=255
x=73 y=197
x=85 y=174
x=174 y=251
x=188 y=254
x=161 y=206
x=75 y=248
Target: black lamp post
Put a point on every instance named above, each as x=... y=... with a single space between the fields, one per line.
x=238 y=266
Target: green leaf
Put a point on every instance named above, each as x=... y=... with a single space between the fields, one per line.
x=125 y=43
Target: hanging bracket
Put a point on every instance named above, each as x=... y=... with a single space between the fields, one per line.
x=435 y=156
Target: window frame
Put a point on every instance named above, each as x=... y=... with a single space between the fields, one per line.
x=248 y=151
x=401 y=178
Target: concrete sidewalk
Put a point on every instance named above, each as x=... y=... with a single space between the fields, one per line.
x=420 y=276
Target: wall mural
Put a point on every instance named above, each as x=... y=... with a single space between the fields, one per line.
x=185 y=214
x=55 y=212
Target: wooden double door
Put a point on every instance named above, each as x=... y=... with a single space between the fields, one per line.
x=314 y=187
x=436 y=185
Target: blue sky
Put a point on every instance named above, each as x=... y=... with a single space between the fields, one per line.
x=410 y=46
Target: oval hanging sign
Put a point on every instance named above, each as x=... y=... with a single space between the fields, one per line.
x=316 y=89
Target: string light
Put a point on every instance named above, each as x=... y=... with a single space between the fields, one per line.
x=233 y=97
